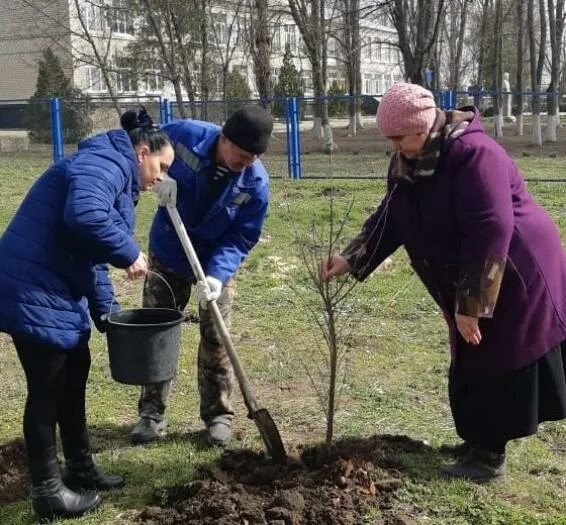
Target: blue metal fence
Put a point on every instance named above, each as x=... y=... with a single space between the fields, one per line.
x=293 y=111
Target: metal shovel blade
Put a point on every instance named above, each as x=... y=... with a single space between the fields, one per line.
x=270 y=435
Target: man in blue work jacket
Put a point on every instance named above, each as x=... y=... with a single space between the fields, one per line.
x=221 y=190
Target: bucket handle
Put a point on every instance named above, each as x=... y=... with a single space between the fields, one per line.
x=153 y=273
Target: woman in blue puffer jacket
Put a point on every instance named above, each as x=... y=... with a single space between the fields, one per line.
x=76 y=218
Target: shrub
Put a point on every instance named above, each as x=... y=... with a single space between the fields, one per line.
x=76 y=109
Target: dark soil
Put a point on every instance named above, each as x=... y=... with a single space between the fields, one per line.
x=14 y=479
x=246 y=489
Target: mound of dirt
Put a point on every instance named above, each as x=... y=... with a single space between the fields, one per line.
x=313 y=488
x=14 y=479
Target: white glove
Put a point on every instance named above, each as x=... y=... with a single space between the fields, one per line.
x=208 y=290
x=166 y=191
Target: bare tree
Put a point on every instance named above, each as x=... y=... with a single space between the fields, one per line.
x=455 y=30
x=519 y=97
x=536 y=61
x=417 y=23
x=556 y=29
x=205 y=51
x=95 y=48
x=326 y=304
x=353 y=53
x=226 y=32
x=483 y=44
x=260 y=47
x=310 y=18
x=498 y=70
x=160 y=16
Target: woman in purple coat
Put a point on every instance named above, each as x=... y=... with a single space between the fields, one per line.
x=490 y=257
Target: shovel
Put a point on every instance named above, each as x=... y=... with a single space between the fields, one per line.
x=262 y=418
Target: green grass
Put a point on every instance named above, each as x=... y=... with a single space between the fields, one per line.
x=395 y=383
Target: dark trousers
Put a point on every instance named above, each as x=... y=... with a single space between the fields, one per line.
x=215 y=373
x=491 y=412
x=56 y=385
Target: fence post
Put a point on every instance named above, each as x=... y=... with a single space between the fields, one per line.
x=56 y=129
x=295 y=138
x=169 y=110
x=287 y=113
x=162 y=111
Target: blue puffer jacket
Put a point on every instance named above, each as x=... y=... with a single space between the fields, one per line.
x=232 y=225
x=78 y=216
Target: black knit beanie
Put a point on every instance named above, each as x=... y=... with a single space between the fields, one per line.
x=250 y=129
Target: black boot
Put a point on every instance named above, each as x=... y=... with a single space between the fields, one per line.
x=80 y=471
x=86 y=475
x=479 y=465
x=51 y=499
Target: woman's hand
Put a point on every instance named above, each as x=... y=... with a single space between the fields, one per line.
x=139 y=268
x=469 y=329
x=333 y=266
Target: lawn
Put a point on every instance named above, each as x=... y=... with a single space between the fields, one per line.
x=395 y=384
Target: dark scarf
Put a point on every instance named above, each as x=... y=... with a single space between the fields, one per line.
x=447 y=126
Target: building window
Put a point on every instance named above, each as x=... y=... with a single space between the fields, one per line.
x=367 y=48
x=379 y=84
x=219 y=75
x=220 y=30
x=92 y=12
x=95 y=80
x=239 y=29
x=123 y=18
x=126 y=81
x=289 y=34
x=333 y=47
x=276 y=38
x=153 y=81
x=368 y=86
x=306 y=79
x=378 y=52
x=275 y=75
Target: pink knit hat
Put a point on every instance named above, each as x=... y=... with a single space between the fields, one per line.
x=406 y=109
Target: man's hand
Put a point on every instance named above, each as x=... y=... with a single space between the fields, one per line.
x=469 y=329
x=208 y=291
x=139 y=268
x=166 y=191
x=333 y=266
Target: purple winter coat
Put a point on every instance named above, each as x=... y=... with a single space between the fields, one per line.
x=474 y=208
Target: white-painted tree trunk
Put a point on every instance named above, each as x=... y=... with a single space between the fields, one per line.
x=520 y=124
x=551 y=125
x=498 y=125
x=328 y=142
x=317 y=128
x=537 y=135
x=353 y=126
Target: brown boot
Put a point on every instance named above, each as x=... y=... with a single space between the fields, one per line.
x=479 y=465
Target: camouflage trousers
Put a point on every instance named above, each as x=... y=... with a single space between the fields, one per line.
x=215 y=374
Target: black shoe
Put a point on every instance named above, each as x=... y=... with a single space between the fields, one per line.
x=479 y=465
x=78 y=478
x=459 y=450
x=51 y=500
x=147 y=430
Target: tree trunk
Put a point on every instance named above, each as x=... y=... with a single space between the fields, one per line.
x=519 y=98
x=481 y=58
x=535 y=69
x=260 y=48
x=498 y=70
x=556 y=26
